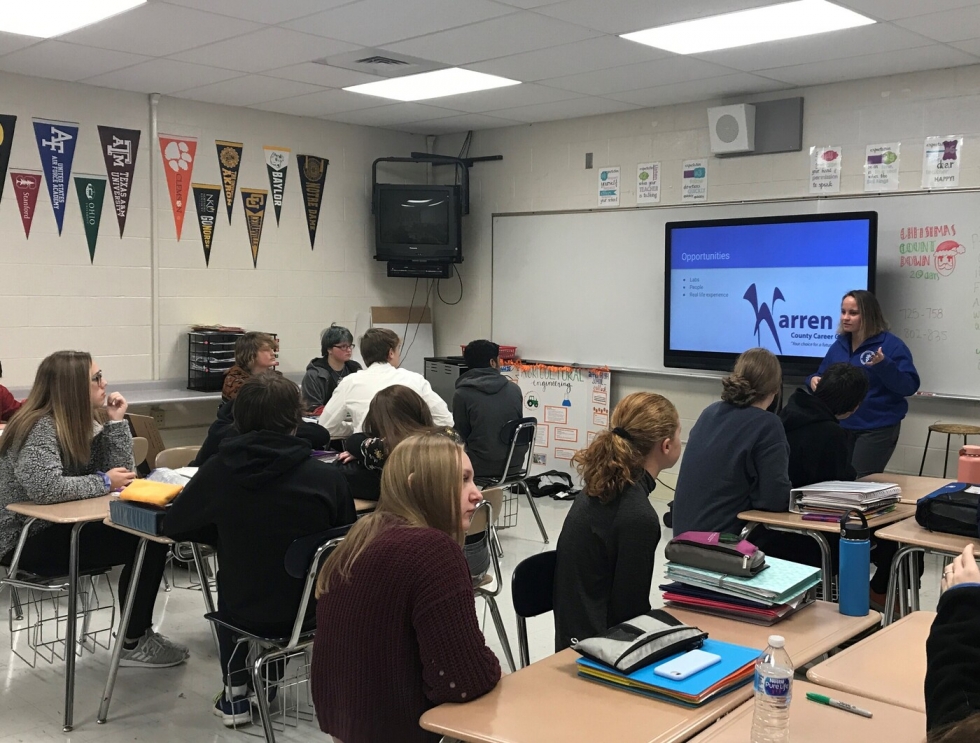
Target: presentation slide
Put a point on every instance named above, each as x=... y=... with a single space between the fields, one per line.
x=776 y=285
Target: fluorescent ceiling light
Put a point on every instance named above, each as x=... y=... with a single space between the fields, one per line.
x=451 y=81
x=55 y=17
x=754 y=26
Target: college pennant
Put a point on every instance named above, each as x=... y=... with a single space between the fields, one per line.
x=276 y=162
x=229 y=160
x=119 y=148
x=26 y=186
x=312 y=175
x=254 y=200
x=206 y=201
x=56 y=142
x=7 y=125
x=178 y=162
x=91 y=194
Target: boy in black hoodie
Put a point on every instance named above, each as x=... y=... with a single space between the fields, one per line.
x=257 y=495
x=484 y=403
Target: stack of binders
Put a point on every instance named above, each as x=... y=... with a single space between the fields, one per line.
x=828 y=501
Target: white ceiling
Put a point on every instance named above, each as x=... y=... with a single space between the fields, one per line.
x=259 y=53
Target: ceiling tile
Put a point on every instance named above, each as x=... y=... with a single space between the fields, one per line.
x=509 y=97
x=321 y=104
x=159 y=29
x=951 y=25
x=510 y=34
x=379 y=22
x=160 y=76
x=265 y=50
x=598 y=53
x=454 y=124
x=526 y=4
x=888 y=10
x=971 y=46
x=873 y=65
x=739 y=84
x=248 y=90
x=323 y=75
x=565 y=110
x=13 y=42
x=621 y=16
x=399 y=113
x=673 y=69
x=60 y=61
x=852 y=42
x=261 y=11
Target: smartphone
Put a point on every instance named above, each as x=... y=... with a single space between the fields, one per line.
x=686 y=665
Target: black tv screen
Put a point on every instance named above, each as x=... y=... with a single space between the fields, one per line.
x=774 y=282
x=417 y=223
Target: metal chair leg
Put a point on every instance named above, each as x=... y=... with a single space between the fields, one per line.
x=501 y=632
x=522 y=643
x=534 y=510
x=262 y=699
x=925 y=449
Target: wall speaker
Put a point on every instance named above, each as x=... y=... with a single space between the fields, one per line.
x=732 y=128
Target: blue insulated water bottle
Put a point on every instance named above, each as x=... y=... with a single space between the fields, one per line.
x=854 y=578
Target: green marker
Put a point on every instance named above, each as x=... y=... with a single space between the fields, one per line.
x=821 y=699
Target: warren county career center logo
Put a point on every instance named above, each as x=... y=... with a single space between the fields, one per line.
x=763 y=313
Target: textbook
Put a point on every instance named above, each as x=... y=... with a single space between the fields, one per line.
x=706 y=601
x=839 y=496
x=780 y=584
x=736 y=668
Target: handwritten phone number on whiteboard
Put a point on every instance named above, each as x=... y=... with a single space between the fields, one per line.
x=929 y=313
x=924 y=334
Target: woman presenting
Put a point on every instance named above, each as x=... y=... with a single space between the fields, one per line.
x=863 y=340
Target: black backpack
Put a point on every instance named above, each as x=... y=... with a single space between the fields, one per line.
x=952 y=509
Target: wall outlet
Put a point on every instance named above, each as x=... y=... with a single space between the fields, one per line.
x=159 y=416
x=588 y=161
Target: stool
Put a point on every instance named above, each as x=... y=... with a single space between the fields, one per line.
x=950 y=429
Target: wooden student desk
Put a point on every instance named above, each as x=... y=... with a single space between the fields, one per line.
x=547 y=701
x=913 y=486
x=793 y=522
x=914 y=539
x=810 y=722
x=889 y=666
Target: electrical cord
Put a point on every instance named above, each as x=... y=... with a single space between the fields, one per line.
x=439 y=288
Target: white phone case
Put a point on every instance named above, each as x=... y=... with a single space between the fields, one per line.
x=686 y=665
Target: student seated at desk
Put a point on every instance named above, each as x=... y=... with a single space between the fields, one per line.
x=324 y=374
x=8 y=404
x=255 y=353
x=606 y=550
x=53 y=451
x=395 y=599
x=953 y=656
x=260 y=493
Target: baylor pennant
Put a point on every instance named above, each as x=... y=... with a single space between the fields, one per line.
x=312 y=175
x=229 y=160
x=91 y=194
x=119 y=148
x=276 y=162
x=7 y=124
x=254 y=201
x=206 y=200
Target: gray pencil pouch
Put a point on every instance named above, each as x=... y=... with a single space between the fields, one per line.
x=721 y=553
x=650 y=637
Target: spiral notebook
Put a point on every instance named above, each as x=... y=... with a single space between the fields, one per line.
x=783 y=581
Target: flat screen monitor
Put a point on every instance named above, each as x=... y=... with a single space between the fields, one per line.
x=417 y=223
x=774 y=282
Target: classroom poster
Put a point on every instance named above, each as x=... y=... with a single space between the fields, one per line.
x=609 y=186
x=276 y=162
x=56 y=142
x=178 y=163
x=91 y=195
x=694 y=180
x=206 y=201
x=254 y=201
x=27 y=184
x=648 y=184
x=941 y=158
x=571 y=405
x=7 y=125
x=881 y=163
x=119 y=148
x=312 y=176
x=825 y=165
x=229 y=161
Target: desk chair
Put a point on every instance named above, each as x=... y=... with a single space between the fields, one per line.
x=532 y=588
x=303 y=560
x=518 y=464
x=483 y=521
x=140 y=448
x=176 y=457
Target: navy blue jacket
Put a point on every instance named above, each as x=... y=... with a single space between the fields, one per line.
x=889 y=382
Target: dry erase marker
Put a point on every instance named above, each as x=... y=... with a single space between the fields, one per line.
x=821 y=699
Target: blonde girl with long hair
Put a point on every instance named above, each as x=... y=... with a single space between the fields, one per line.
x=53 y=451
x=395 y=603
x=606 y=550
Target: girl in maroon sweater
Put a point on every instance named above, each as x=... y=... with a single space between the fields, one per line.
x=398 y=632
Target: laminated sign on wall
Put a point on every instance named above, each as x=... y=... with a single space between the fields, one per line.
x=571 y=405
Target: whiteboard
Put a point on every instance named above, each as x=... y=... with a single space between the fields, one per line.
x=588 y=287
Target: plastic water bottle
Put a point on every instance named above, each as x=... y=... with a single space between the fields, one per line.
x=773 y=691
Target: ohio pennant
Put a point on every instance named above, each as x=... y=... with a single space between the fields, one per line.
x=7 y=125
x=56 y=142
x=229 y=160
x=254 y=201
x=276 y=162
x=91 y=195
x=178 y=162
x=206 y=200
x=119 y=148
x=312 y=176
x=27 y=184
